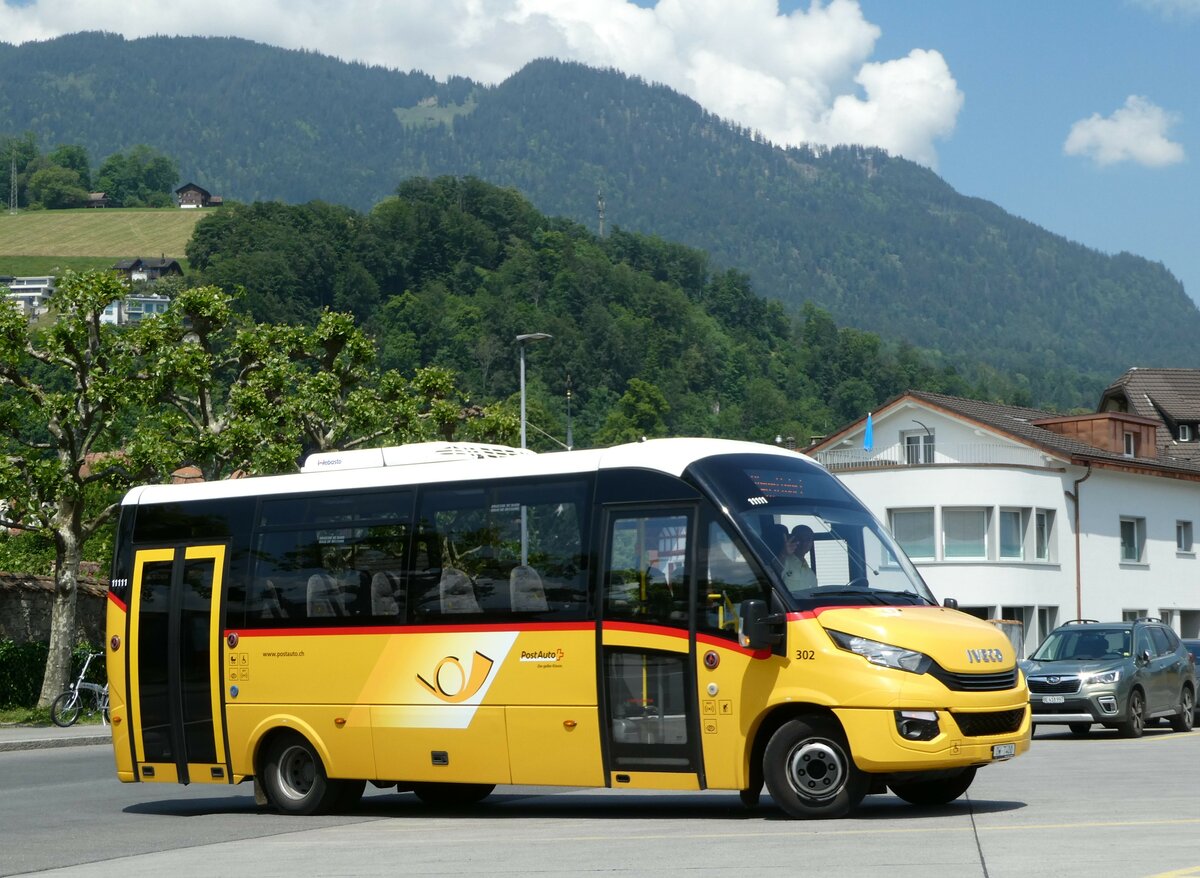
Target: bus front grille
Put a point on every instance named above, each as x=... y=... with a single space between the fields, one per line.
x=979 y=725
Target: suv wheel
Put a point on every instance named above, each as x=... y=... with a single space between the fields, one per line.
x=1135 y=715
x=1183 y=721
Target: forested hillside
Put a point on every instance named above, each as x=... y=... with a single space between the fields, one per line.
x=648 y=337
x=879 y=242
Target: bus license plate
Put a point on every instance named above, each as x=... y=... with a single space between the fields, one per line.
x=1053 y=699
x=1004 y=751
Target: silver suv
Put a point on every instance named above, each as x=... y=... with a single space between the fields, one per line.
x=1117 y=674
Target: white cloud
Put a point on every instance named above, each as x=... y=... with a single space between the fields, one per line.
x=1171 y=9
x=803 y=77
x=1137 y=132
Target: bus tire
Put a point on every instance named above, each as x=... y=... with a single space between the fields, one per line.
x=938 y=791
x=809 y=770
x=452 y=795
x=64 y=711
x=294 y=777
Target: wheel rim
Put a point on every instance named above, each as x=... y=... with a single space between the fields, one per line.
x=816 y=770
x=1187 y=708
x=297 y=772
x=1135 y=711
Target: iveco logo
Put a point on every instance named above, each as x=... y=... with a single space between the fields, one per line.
x=981 y=656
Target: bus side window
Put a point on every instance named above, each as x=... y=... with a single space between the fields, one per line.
x=646 y=574
x=727 y=579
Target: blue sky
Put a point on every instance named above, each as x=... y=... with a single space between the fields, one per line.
x=1028 y=72
x=1082 y=116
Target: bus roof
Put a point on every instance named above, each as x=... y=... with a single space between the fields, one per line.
x=435 y=462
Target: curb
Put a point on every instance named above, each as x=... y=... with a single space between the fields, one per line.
x=36 y=743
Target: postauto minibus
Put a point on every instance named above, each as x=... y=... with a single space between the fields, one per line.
x=444 y=618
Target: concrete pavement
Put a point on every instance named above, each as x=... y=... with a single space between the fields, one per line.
x=19 y=737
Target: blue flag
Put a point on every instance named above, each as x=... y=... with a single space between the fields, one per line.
x=869 y=434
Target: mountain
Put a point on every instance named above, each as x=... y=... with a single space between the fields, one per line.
x=880 y=242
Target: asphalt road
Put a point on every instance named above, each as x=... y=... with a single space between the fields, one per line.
x=1096 y=807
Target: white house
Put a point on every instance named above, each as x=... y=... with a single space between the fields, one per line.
x=134 y=308
x=1030 y=516
x=30 y=294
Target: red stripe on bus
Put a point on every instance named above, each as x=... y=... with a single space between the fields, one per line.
x=643 y=628
x=409 y=629
x=120 y=603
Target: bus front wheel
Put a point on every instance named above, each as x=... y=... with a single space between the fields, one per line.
x=809 y=770
x=295 y=781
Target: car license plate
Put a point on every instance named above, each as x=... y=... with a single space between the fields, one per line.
x=1004 y=751
x=1053 y=699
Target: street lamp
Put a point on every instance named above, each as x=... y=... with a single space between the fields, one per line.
x=521 y=339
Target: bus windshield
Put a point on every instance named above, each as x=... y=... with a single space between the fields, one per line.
x=820 y=542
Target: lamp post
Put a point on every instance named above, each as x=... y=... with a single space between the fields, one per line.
x=570 y=438
x=521 y=339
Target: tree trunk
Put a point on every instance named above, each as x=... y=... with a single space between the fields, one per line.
x=68 y=552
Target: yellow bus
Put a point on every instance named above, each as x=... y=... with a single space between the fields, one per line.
x=444 y=618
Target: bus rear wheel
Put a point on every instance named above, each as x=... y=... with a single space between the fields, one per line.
x=451 y=795
x=809 y=770
x=295 y=781
x=939 y=791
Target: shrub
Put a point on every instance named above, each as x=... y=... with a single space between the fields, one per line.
x=22 y=666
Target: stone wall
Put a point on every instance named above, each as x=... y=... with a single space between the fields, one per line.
x=25 y=602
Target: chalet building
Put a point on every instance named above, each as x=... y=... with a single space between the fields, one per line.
x=96 y=199
x=1034 y=517
x=190 y=195
x=148 y=269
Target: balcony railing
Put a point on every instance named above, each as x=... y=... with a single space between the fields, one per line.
x=970 y=453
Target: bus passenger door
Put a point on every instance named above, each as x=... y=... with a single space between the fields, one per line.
x=175 y=673
x=648 y=689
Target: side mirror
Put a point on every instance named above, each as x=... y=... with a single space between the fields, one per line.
x=758 y=629
x=950 y=603
x=1144 y=657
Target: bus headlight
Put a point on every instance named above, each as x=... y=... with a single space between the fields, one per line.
x=883 y=654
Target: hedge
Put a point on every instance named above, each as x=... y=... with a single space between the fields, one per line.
x=23 y=665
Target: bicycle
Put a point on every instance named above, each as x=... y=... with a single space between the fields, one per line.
x=81 y=696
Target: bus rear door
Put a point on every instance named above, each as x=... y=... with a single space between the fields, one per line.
x=175 y=673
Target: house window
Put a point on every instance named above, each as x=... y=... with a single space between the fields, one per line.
x=1011 y=534
x=1043 y=534
x=1185 y=432
x=1130 y=445
x=1133 y=540
x=1183 y=536
x=913 y=530
x=918 y=447
x=964 y=533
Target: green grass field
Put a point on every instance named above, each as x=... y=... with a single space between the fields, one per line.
x=51 y=241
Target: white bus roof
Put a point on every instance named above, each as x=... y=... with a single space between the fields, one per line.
x=434 y=462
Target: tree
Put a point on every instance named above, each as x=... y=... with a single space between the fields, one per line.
x=141 y=178
x=75 y=379
x=238 y=396
x=56 y=187
x=638 y=414
x=74 y=158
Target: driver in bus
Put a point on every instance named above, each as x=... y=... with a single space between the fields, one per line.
x=798 y=559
